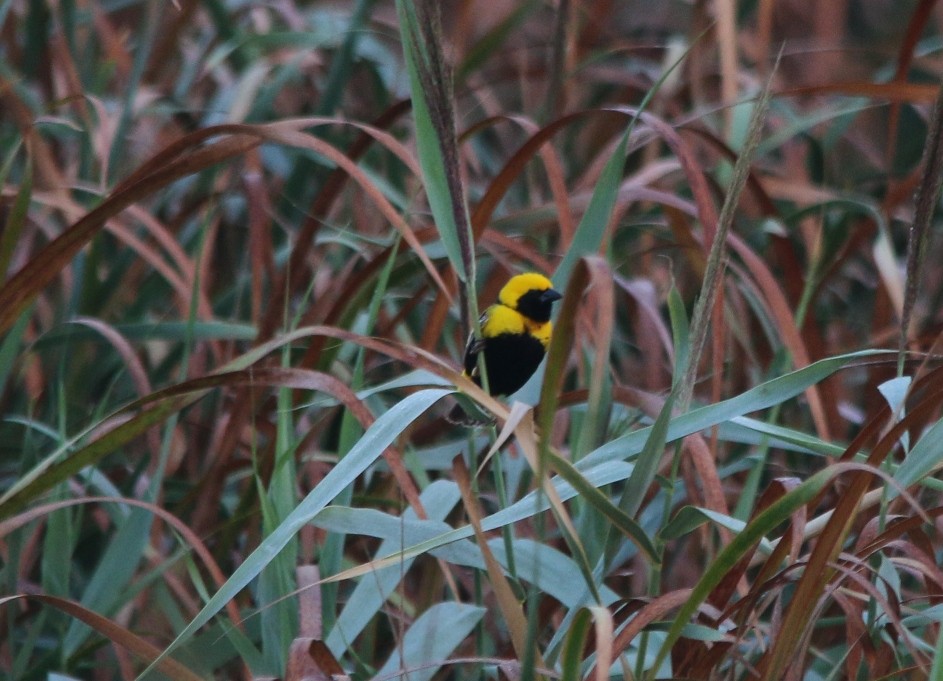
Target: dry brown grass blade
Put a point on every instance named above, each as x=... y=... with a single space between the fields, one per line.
x=510 y=607
x=131 y=360
x=725 y=14
x=772 y=577
x=597 y=319
x=928 y=195
x=905 y=56
x=113 y=41
x=652 y=335
x=704 y=462
x=43 y=267
x=168 y=39
x=287 y=133
x=312 y=380
x=189 y=536
x=509 y=252
x=720 y=597
x=764 y=32
x=309 y=659
x=261 y=255
x=778 y=304
x=436 y=318
x=310 y=623
x=184 y=157
x=718 y=355
x=133 y=364
x=156 y=407
x=48 y=174
x=897 y=528
x=555 y=96
x=516 y=164
x=354 y=280
x=657 y=609
x=293 y=278
x=305 y=379
x=561 y=345
x=818 y=573
x=698 y=656
x=855 y=632
x=553 y=167
x=852 y=569
x=180 y=273
x=694 y=173
x=351 y=281
x=531 y=445
x=68 y=71
x=781 y=314
x=114 y=632
x=499 y=186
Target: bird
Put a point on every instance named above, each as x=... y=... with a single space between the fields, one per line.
x=515 y=333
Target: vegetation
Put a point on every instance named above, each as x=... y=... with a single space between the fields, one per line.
x=243 y=244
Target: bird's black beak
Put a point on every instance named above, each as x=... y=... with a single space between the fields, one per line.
x=550 y=295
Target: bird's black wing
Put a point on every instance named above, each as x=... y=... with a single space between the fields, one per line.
x=474 y=346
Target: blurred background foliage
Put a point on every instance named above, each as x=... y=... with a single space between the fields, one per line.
x=228 y=321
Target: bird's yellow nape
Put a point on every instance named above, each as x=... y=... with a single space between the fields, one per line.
x=520 y=284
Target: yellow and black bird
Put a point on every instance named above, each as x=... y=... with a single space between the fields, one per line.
x=515 y=333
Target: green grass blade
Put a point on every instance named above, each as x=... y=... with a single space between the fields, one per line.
x=371 y=592
x=377 y=438
x=921 y=461
x=777 y=513
x=431 y=145
x=571 y=659
x=592 y=228
x=431 y=639
x=622 y=520
x=763 y=396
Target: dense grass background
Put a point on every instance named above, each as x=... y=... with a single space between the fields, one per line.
x=243 y=244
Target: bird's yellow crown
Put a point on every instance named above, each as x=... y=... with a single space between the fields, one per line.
x=520 y=284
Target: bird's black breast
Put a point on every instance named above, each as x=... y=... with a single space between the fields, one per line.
x=510 y=360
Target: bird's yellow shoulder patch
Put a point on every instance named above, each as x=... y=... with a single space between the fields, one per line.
x=499 y=319
x=540 y=331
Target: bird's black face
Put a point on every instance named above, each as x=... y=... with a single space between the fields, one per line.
x=536 y=304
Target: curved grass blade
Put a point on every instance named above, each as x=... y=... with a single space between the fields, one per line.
x=606 y=465
x=114 y=633
x=756 y=530
x=763 y=396
x=377 y=438
x=431 y=640
x=370 y=594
